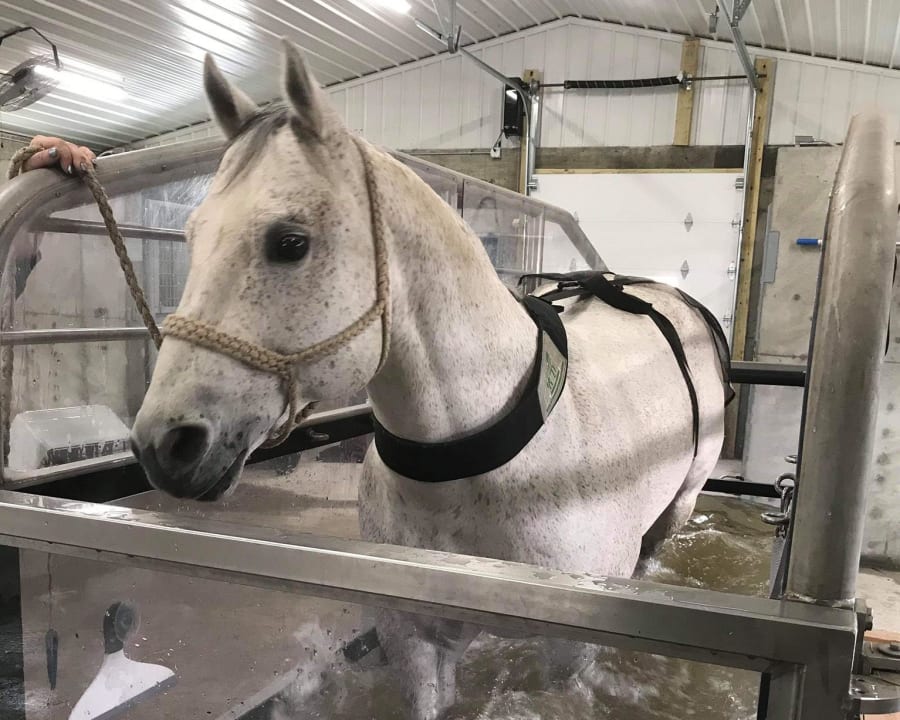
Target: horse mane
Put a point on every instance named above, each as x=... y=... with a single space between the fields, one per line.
x=249 y=140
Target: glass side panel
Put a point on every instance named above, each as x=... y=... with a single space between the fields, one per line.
x=446 y=186
x=510 y=234
x=559 y=253
x=212 y=649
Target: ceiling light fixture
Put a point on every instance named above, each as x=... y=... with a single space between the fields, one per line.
x=398 y=6
x=83 y=85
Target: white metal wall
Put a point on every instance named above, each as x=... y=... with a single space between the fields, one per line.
x=447 y=102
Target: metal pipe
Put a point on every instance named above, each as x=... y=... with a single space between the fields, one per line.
x=91 y=227
x=532 y=136
x=739 y=44
x=846 y=352
x=511 y=82
x=759 y=373
x=71 y=335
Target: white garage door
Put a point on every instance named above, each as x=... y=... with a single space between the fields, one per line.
x=679 y=228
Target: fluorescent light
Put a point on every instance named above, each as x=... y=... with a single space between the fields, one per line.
x=398 y=6
x=83 y=85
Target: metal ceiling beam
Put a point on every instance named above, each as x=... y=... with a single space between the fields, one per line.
x=734 y=10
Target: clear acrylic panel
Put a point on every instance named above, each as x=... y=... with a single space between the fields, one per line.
x=446 y=186
x=559 y=252
x=216 y=648
x=509 y=228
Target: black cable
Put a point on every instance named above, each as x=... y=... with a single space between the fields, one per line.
x=621 y=84
x=667 y=81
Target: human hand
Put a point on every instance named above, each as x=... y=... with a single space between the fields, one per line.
x=71 y=158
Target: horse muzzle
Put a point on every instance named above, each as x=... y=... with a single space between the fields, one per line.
x=177 y=460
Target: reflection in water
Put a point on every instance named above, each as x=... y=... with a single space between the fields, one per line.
x=724 y=547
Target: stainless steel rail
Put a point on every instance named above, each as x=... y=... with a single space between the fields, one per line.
x=71 y=335
x=91 y=227
x=811 y=645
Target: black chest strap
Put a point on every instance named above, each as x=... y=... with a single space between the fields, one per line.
x=496 y=445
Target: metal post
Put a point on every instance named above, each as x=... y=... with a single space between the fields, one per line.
x=846 y=351
x=733 y=17
x=532 y=136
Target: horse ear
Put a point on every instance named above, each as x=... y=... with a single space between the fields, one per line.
x=302 y=91
x=230 y=106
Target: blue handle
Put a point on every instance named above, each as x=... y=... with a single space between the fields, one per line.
x=809 y=241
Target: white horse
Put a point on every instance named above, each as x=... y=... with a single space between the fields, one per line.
x=285 y=250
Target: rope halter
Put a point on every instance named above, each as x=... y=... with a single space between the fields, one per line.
x=284 y=366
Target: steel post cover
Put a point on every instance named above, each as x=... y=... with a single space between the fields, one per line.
x=846 y=351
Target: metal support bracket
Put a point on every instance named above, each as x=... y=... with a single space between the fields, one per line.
x=530 y=94
x=740 y=7
x=449 y=29
x=733 y=16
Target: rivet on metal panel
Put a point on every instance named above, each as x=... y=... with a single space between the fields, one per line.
x=688 y=222
x=685 y=269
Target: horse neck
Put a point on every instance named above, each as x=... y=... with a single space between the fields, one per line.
x=461 y=346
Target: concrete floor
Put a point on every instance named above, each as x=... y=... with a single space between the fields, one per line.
x=225 y=642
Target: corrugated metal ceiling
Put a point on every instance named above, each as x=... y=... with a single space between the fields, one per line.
x=154 y=48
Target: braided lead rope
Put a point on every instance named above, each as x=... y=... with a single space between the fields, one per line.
x=16 y=164
x=112 y=228
x=283 y=365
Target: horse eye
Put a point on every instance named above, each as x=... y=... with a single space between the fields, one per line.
x=288 y=247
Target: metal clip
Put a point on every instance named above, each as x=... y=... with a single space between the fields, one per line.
x=785 y=485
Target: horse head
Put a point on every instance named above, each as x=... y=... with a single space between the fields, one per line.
x=283 y=260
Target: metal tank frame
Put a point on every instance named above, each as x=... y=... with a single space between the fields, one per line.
x=807 y=647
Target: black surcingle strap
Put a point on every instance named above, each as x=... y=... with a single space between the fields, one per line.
x=611 y=292
x=496 y=445
x=501 y=442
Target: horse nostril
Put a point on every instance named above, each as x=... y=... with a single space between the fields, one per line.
x=183 y=447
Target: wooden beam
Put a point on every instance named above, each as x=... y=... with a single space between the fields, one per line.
x=684 y=110
x=765 y=68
